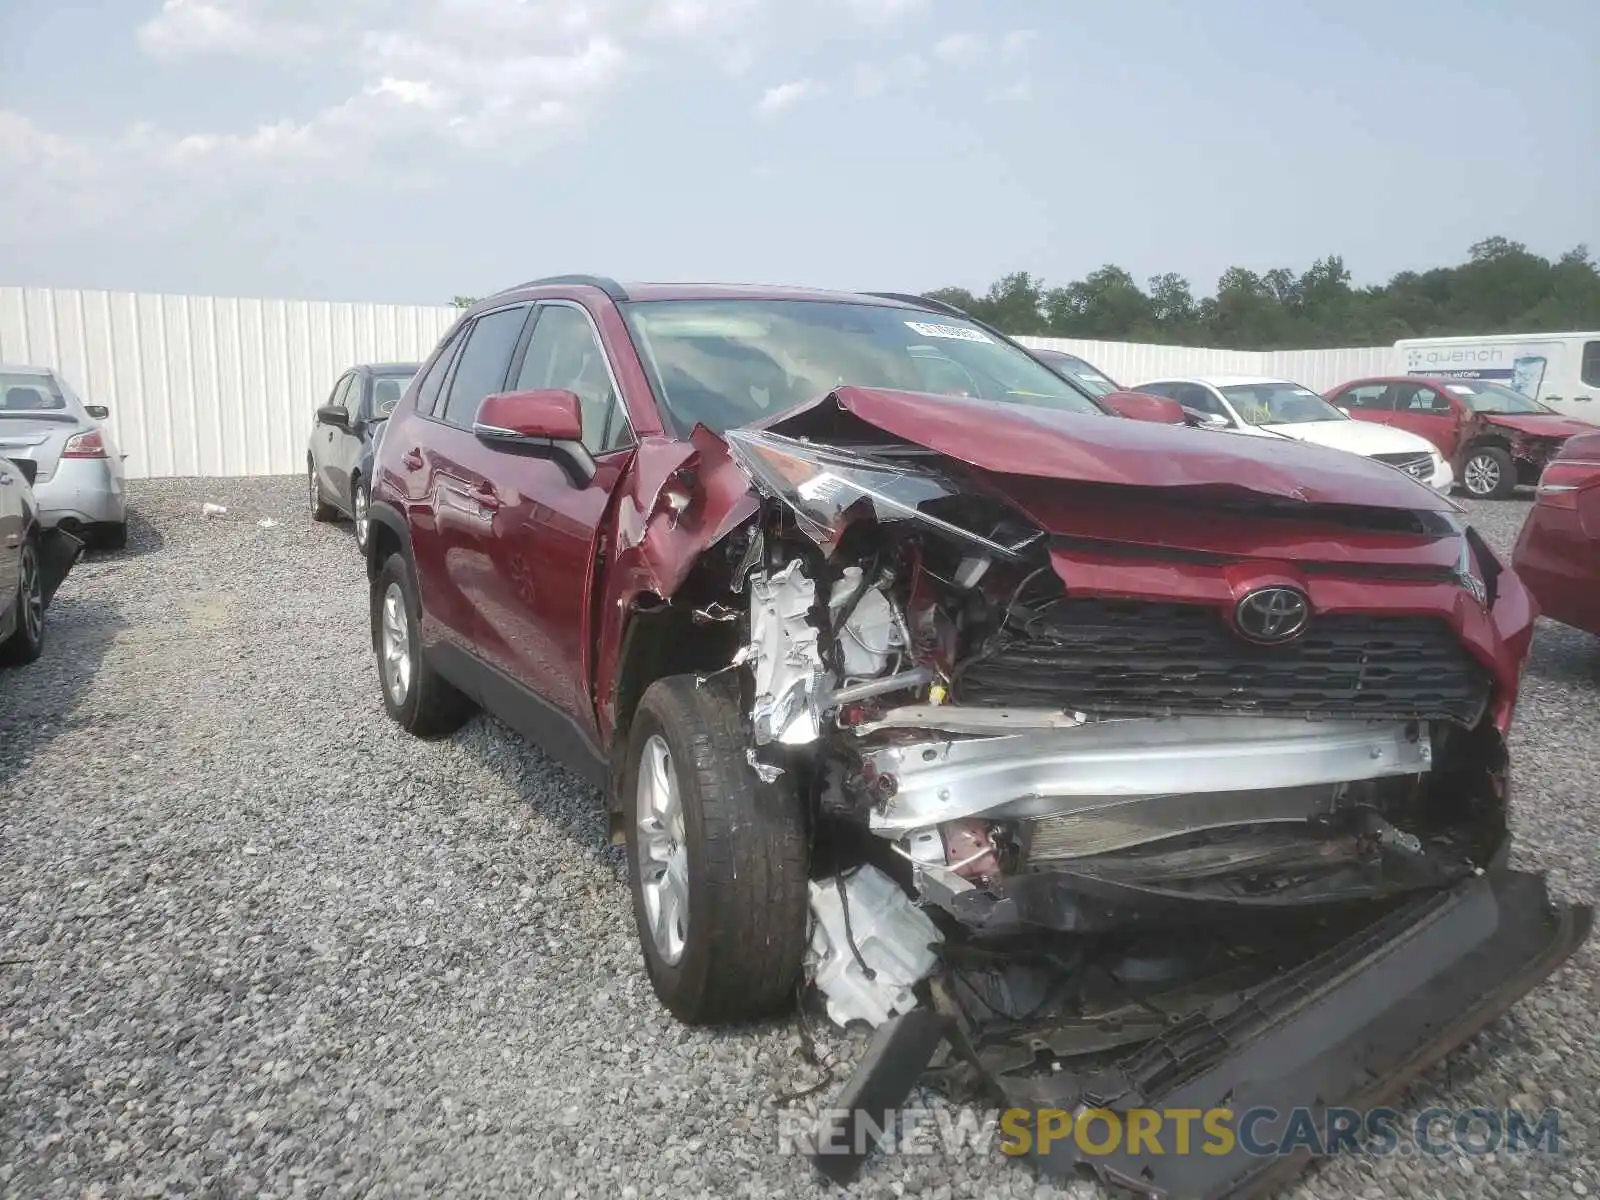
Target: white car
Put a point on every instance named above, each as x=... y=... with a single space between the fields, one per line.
x=1257 y=406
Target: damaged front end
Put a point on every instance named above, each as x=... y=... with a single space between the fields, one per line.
x=1176 y=773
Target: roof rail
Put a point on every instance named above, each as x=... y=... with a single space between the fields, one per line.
x=920 y=302
x=609 y=286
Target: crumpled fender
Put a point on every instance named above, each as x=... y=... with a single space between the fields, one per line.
x=678 y=500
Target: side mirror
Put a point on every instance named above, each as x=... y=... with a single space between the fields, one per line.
x=98 y=411
x=1204 y=420
x=1142 y=406
x=333 y=414
x=541 y=423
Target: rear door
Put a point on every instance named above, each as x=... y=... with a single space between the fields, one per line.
x=455 y=501
x=1427 y=411
x=546 y=529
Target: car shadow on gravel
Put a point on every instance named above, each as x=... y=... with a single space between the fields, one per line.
x=46 y=698
x=1564 y=655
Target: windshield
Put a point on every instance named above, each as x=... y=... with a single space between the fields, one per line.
x=726 y=363
x=1279 y=404
x=1081 y=372
x=24 y=392
x=387 y=390
x=1493 y=398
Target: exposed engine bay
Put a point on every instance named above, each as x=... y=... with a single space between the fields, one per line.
x=1126 y=795
x=1042 y=760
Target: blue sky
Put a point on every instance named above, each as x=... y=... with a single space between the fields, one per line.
x=409 y=150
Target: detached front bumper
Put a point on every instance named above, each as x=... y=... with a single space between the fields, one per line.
x=82 y=491
x=1315 y=1024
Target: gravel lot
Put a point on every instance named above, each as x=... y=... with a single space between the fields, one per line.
x=255 y=940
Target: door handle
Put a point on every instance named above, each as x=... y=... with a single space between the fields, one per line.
x=411 y=460
x=1557 y=399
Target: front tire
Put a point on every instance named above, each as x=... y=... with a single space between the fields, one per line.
x=719 y=860
x=416 y=697
x=26 y=642
x=360 y=503
x=112 y=535
x=1489 y=474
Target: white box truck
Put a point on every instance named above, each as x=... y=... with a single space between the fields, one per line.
x=1559 y=369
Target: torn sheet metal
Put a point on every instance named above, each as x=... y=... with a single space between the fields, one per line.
x=1031 y=774
x=870 y=946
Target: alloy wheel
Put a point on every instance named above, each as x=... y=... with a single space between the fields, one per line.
x=32 y=593
x=395 y=652
x=360 y=505
x=663 y=854
x=1481 y=475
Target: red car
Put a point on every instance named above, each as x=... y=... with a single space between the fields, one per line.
x=819 y=588
x=1558 y=550
x=1493 y=437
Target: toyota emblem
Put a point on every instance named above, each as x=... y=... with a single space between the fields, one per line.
x=1272 y=614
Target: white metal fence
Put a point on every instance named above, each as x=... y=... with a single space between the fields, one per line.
x=1131 y=363
x=204 y=385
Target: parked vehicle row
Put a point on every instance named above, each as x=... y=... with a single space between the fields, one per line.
x=79 y=483
x=339 y=456
x=851 y=607
x=34 y=559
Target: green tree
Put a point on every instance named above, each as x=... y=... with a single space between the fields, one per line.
x=1502 y=287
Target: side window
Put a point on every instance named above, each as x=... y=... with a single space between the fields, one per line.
x=1369 y=397
x=1156 y=389
x=352 y=396
x=1201 y=399
x=428 y=393
x=340 y=391
x=484 y=361
x=563 y=353
x=1425 y=400
x=1591 y=364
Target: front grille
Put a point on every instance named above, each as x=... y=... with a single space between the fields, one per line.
x=1106 y=657
x=1417 y=465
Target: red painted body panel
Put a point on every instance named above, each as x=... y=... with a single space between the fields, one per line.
x=1142 y=406
x=1021 y=439
x=1558 y=550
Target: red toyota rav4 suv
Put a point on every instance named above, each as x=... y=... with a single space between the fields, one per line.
x=805 y=580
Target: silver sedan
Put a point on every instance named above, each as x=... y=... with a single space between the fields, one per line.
x=79 y=482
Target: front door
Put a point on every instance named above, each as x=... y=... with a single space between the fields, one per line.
x=546 y=527
x=326 y=442
x=452 y=494
x=1424 y=410
x=345 y=445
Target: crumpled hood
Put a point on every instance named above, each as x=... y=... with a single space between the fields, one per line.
x=1357 y=437
x=1552 y=425
x=1018 y=439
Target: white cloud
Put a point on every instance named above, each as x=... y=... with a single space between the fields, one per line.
x=897 y=74
x=1015 y=43
x=1016 y=91
x=240 y=27
x=958 y=47
x=883 y=12
x=785 y=96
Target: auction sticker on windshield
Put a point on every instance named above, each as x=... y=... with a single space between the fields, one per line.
x=958 y=332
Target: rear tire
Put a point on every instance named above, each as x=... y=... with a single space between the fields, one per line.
x=321 y=510
x=417 y=698
x=733 y=850
x=26 y=642
x=1489 y=474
